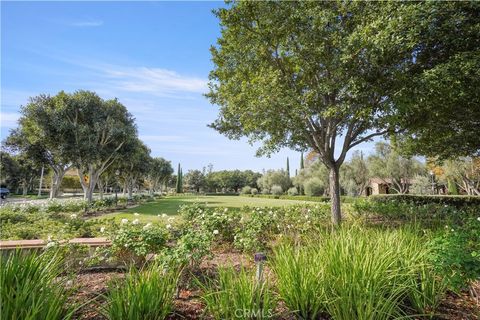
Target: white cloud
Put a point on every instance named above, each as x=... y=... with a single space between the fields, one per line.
x=9 y=119
x=155 y=81
x=87 y=23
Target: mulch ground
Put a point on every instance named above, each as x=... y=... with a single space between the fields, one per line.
x=188 y=305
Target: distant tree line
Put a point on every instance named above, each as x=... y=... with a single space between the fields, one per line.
x=97 y=137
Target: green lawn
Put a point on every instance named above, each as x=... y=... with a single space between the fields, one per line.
x=149 y=211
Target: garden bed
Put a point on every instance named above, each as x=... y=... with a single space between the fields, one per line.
x=188 y=305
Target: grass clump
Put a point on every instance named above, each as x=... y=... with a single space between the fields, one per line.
x=358 y=273
x=144 y=294
x=31 y=287
x=237 y=295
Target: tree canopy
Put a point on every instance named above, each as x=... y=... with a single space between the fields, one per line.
x=324 y=75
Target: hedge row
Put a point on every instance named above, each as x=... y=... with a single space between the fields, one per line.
x=345 y=199
x=456 y=201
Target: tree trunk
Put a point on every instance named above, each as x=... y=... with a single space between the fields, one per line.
x=41 y=181
x=88 y=187
x=100 y=187
x=57 y=178
x=24 y=188
x=335 y=195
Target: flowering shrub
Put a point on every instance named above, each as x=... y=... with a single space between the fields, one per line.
x=41 y=225
x=256 y=230
x=189 y=249
x=132 y=242
x=220 y=222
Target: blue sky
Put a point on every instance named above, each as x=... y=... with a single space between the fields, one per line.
x=153 y=56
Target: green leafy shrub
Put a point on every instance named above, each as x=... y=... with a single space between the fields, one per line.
x=188 y=250
x=32 y=288
x=146 y=294
x=456 y=253
x=292 y=191
x=313 y=187
x=455 y=201
x=254 y=191
x=43 y=225
x=237 y=295
x=276 y=190
x=246 y=190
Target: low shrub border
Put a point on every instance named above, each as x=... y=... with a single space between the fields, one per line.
x=345 y=199
x=456 y=201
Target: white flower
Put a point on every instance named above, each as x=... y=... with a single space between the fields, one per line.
x=478 y=218
x=73 y=216
x=225 y=210
x=148 y=225
x=49 y=238
x=136 y=214
x=215 y=231
x=124 y=221
x=446 y=227
x=102 y=229
x=136 y=221
x=51 y=244
x=452 y=230
x=164 y=215
x=170 y=219
x=168 y=226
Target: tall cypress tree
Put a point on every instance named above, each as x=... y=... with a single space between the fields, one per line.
x=288 y=168
x=178 y=186
x=301 y=161
x=181 y=180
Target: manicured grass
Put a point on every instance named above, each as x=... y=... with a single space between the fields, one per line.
x=169 y=205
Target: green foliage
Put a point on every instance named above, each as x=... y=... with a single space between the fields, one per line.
x=272 y=178
x=388 y=164
x=254 y=191
x=247 y=190
x=71 y=182
x=363 y=274
x=195 y=180
x=421 y=185
x=19 y=224
x=237 y=295
x=276 y=190
x=32 y=288
x=143 y=294
x=313 y=187
x=456 y=253
x=455 y=201
x=292 y=191
x=220 y=222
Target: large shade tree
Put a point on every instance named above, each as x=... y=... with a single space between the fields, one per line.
x=97 y=132
x=160 y=171
x=40 y=135
x=323 y=75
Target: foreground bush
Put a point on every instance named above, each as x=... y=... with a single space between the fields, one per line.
x=147 y=294
x=237 y=295
x=358 y=273
x=31 y=288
